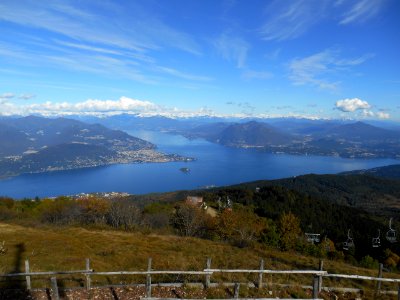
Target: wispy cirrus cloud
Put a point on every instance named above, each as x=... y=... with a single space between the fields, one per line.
x=95 y=60
x=103 y=50
x=26 y=96
x=183 y=75
x=138 y=30
x=360 y=11
x=289 y=19
x=319 y=69
x=261 y=75
x=232 y=48
x=7 y=96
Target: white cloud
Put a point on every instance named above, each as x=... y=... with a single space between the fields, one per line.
x=351 y=105
x=132 y=106
x=232 y=48
x=317 y=69
x=368 y=113
x=100 y=107
x=383 y=115
x=361 y=10
x=91 y=106
x=124 y=104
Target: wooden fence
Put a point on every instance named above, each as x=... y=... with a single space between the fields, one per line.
x=317 y=277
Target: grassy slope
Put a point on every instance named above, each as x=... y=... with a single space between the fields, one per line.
x=65 y=248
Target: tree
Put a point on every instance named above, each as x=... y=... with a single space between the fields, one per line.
x=61 y=210
x=289 y=228
x=123 y=214
x=94 y=210
x=240 y=226
x=190 y=220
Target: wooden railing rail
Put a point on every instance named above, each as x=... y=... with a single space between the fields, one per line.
x=208 y=272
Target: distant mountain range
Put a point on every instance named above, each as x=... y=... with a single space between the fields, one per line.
x=342 y=138
x=252 y=134
x=35 y=144
x=358 y=139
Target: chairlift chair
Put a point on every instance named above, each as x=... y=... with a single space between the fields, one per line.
x=391 y=234
x=376 y=242
x=312 y=237
x=349 y=243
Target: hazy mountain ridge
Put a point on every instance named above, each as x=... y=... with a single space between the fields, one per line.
x=252 y=134
x=36 y=144
x=345 y=138
x=362 y=132
x=332 y=139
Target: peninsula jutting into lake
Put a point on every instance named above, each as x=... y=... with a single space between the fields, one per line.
x=36 y=144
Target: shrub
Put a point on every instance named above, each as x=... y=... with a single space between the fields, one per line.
x=369 y=262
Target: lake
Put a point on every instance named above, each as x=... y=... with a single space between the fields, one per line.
x=214 y=165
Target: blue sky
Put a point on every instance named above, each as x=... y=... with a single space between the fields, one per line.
x=305 y=58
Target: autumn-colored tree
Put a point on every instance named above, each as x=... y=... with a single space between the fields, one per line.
x=289 y=228
x=61 y=210
x=190 y=220
x=240 y=226
x=391 y=259
x=93 y=210
x=6 y=208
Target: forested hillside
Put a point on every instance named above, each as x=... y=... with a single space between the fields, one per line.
x=391 y=172
x=378 y=196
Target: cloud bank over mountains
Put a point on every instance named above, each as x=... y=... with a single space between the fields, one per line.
x=145 y=108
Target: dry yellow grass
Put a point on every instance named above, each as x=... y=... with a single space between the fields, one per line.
x=65 y=248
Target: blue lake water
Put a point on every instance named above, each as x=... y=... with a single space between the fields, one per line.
x=215 y=165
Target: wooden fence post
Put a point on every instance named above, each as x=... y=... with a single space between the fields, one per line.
x=398 y=292
x=315 y=287
x=148 y=279
x=236 y=290
x=28 y=278
x=260 y=275
x=379 y=283
x=208 y=276
x=88 y=279
x=54 y=287
x=321 y=268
